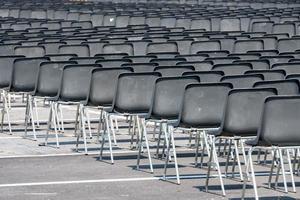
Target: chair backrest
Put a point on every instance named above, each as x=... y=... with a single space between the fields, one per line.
x=7 y=49
x=233 y=69
x=288 y=45
x=222 y=60
x=230 y=24
x=212 y=45
x=80 y=50
x=206 y=76
x=30 y=51
x=75 y=83
x=269 y=74
x=243 y=81
x=289 y=68
x=140 y=59
x=167 y=61
x=279 y=122
x=243 y=46
x=162 y=47
x=51 y=47
x=193 y=57
x=198 y=65
x=169 y=71
x=284 y=87
x=118 y=48
x=263 y=26
x=25 y=74
x=49 y=78
x=259 y=64
x=113 y=62
x=95 y=47
x=203 y=105
x=134 y=92
x=6 y=69
x=288 y=28
x=168 y=96
x=103 y=85
x=141 y=67
x=86 y=60
x=60 y=57
x=243 y=111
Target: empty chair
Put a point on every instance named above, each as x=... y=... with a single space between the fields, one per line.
x=233 y=69
x=169 y=71
x=288 y=45
x=134 y=97
x=270 y=42
x=222 y=60
x=193 y=57
x=277 y=59
x=164 y=55
x=60 y=57
x=201 y=24
x=51 y=47
x=139 y=46
x=256 y=64
x=269 y=74
x=25 y=72
x=30 y=51
x=243 y=46
x=118 y=48
x=110 y=56
x=141 y=67
x=183 y=45
x=167 y=61
x=74 y=89
x=230 y=24
x=80 y=50
x=206 y=76
x=208 y=98
x=199 y=66
x=85 y=60
x=289 y=68
x=283 y=87
x=263 y=26
x=162 y=47
x=95 y=47
x=265 y=52
x=243 y=81
x=6 y=69
x=212 y=45
x=278 y=129
x=288 y=28
x=112 y=62
x=7 y=49
x=49 y=78
x=140 y=59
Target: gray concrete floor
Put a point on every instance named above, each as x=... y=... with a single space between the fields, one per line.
x=29 y=171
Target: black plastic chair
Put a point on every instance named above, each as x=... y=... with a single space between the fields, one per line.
x=278 y=133
x=206 y=76
x=47 y=87
x=284 y=87
x=165 y=108
x=233 y=69
x=202 y=111
x=243 y=81
x=101 y=94
x=134 y=98
x=74 y=88
x=269 y=74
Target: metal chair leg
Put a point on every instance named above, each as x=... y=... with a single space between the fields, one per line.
x=147 y=144
x=291 y=170
x=283 y=170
